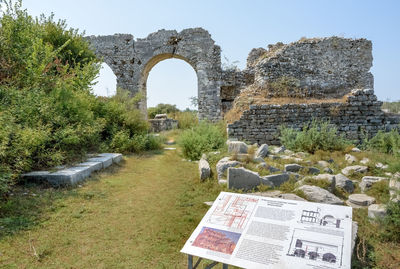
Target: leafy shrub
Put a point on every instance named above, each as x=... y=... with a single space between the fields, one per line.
x=317 y=135
x=48 y=114
x=200 y=139
x=161 y=109
x=186 y=119
x=386 y=142
x=391 y=222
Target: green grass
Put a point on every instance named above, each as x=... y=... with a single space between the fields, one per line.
x=138 y=215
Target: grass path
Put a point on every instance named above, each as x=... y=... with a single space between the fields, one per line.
x=137 y=216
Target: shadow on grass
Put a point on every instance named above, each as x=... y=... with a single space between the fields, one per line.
x=28 y=203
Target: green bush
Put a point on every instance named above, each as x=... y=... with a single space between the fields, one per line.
x=391 y=222
x=48 y=114
x=161 y=109
x=202 y=138
x=386 y=142
x=317 y=135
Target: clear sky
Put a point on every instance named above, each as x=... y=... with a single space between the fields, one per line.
x=238 y=26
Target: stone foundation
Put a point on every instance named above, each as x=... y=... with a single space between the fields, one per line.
x=360 y=113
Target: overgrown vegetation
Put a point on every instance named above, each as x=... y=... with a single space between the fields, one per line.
x=393 y=107
x=385 y=142
x=202 y=138
x=161 y=109
x=317 y=135
x=48 y=115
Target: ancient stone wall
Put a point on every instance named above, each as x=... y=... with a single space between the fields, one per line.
x=233 y=81
x=360 y=112
x=322 y=67
x=131 y=61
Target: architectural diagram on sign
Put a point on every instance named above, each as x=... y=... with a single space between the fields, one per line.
x=314 y=246
x=318 y=218
x=233 y=211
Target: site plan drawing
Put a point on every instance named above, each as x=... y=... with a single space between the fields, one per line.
x=258 y=232
x=233 y=211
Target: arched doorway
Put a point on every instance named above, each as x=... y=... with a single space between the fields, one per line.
x=131 y=60
x=172 y=81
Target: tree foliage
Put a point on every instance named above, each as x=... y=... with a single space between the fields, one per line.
x=48 y=114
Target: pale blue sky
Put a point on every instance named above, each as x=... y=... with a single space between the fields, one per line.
x=239 y=26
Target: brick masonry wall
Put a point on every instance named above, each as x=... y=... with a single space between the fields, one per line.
x=360 y=112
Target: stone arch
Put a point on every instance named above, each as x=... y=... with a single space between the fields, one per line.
x=149 y=66
x=131 y=60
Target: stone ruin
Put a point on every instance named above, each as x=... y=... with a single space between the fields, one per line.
x=161 y=122
x=324 y=78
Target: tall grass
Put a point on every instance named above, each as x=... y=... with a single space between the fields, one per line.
x=317 y=135
x=386 y=142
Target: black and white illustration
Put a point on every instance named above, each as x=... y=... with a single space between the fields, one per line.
x=317 y=217
x=310 y=245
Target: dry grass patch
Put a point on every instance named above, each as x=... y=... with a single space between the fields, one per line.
x=279 y=95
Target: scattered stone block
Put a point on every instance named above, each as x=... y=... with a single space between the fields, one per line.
x=222 y=181
x=330 y=178
x=300 y=154
x=224 y=164
x=276 y=180
x=376 y=211
x=291 y=196
x=237 y=147
x=364 y=161
x=210 y=203
x=368 y=181
x=344 y=183
x=381 y=166
x=279 y=150
x=313 y=170
x=243 y=179
x=262 y=151
x=294 y=167
x=273 y=157
x=350 y=158
x=258 y=160
x=359 y=200
x=323 y=164
x=356 y=150
x=354 y=169
x=288 y=152
x=204 y=169
x=317 y=194
x=328 y=170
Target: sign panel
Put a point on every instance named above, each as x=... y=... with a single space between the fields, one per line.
x=260 y=232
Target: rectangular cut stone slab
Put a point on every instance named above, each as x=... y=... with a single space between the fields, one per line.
x=243 y=179
x=275 y=180
x=68 y=176
x=116 y=157
x=105 y=160
x=93 y=166
x=36 y=175
x=75 y=174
